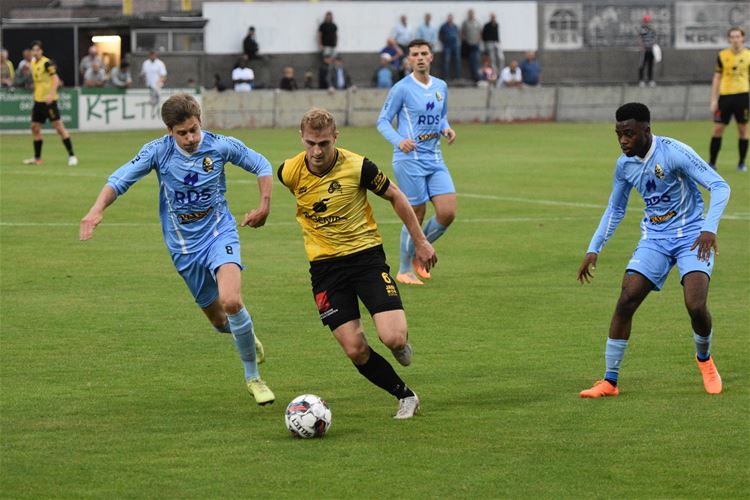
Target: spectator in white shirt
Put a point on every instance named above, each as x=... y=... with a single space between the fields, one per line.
x=427 y=33
x=242 y=76
x=154 y=73
x=511 y=76
x=402 y=34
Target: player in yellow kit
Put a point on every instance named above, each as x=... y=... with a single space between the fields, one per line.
x=345 y=250
x=730 y=94
x=46 y=82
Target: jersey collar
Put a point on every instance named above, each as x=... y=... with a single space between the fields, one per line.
x=185 y=153
x=650 y=152
x=424 y=86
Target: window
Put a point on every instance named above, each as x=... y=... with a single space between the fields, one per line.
x=151 y=40
x=187 y=41
x=183 y=40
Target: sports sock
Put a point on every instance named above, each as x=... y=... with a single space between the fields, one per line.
x=68 y=146
x=715 y=147
x=38 y=149
x=613 y=354
x=223 y=329
x=378 y=371
x=743 y=150
x=242 y=331
x=404 y=265
x=434 y=230
x=703 y=346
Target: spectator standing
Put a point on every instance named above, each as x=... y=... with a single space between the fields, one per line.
x=250 y=45
x=427 y=33
x=451 y=40
x=531 y=70
x=328 y=36
x=471 y=35
x=646 y=39
x=385 y=75
x=492 y=46
x=287 y=80
x=120 y=76
x=95 y=76
x=154 y=73
x=7 y=71
x=88 y=60
x=512 y=75
x=402 y=33
x=243 y=76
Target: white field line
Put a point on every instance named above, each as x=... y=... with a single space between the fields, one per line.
x=497 y=220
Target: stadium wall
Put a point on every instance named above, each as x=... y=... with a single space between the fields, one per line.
x=360 y=108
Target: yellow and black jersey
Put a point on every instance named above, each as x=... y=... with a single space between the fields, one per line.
x=734 y=70
x=42 y=71
x=332 y=207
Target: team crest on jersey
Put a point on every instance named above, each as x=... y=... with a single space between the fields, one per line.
x=335 y=186
x=208 y=164
x=438 y=96
x=658 y=171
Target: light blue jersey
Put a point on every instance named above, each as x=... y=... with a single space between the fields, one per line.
x=422 y=112
x=192 y=207
x=667 y=178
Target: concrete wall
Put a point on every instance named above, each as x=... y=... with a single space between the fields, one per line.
x=360 y=107
x=615 y=66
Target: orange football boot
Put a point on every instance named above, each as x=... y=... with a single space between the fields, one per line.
x=421 y=271
x=600 y=389
x=711 y=377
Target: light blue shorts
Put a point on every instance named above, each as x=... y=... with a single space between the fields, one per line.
x=421 y=180
x=199 y=269
x=655 y=258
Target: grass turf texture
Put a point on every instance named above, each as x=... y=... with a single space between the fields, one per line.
x=115 y=385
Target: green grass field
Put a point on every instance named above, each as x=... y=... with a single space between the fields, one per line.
x=115 y=385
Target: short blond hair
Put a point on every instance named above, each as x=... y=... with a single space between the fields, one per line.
x=179 y=108
x=318 y=119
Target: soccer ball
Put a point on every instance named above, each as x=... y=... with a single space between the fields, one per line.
x=307 y=416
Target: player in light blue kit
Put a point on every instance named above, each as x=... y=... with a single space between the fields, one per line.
x=665 y=172
x=421 y=103
x=198 y=227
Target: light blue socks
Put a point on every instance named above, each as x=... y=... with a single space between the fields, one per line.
x=613 y=354
x=432 y=231
x=242 y=331
x=703 y=346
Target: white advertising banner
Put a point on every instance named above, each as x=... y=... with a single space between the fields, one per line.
x=704 y=25
x=130 y=111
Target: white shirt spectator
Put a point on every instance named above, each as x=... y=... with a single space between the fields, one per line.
x=153 y=72
x=246 y=77
x=402 y=33
x=510 y=78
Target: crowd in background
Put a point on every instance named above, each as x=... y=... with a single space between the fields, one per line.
x=477 y=44
x=480 y=45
